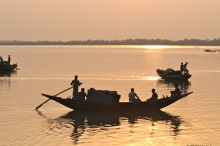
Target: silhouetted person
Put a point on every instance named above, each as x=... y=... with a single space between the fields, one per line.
x=81 y=95
x=132 y=96
x=9 y=59
x=176 y=92
x=1 y=59
x=75 y=83
x=186 y=73
x=181 y=67
x=154 y=95
x=185 y=67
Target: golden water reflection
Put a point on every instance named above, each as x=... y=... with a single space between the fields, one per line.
x=5 y=80
x=77 y=123
x=152 y=78
x=183 y=85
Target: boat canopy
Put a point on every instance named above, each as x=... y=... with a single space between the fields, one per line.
x=168 y=70
x=4 y=62
x=103 y=96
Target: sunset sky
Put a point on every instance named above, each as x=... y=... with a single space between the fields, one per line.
x=65 y=20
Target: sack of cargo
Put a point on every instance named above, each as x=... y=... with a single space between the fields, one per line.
x=103 y=96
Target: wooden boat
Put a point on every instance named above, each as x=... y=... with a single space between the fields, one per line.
x=207 y=50
x=122 y=106
x=5 y=66
x=172 y=74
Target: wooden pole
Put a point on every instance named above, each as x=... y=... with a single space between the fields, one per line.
x=54 y=95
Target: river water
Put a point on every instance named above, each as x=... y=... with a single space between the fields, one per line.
x=193 y=120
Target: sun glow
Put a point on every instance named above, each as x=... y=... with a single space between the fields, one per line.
x=154 y=47
x=152 y=78
x=150 y=46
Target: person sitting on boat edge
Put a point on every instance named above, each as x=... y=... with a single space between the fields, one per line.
x=132 y=96
x=176 y=92
x=81 y=95
x=75 y=83
x=154 y=95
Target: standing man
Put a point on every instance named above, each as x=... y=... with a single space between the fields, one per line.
x=75 y=83
x=132 y=96
x=9 y=59
x=185 y=67
x=181 y=67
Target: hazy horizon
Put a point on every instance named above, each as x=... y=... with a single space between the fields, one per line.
x=125 y=19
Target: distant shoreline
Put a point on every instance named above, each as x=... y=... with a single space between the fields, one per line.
x=101 y=45
x=184 y=42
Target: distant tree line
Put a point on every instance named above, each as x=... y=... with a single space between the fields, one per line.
x=197 y=42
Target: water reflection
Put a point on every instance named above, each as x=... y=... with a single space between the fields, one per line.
x=183 y=85
x=5 y=78
x=95 y=122
x=156 y=117
x=7 y=73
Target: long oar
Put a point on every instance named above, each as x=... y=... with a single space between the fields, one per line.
x=49 y=99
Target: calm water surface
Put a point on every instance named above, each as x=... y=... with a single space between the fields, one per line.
x=193 y=120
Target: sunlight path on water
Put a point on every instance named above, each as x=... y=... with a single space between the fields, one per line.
x=192 y=120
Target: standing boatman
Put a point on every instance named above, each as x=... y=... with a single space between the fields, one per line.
x=185 y=67
x=9 y=59
x=75 y=83
x=181 y=67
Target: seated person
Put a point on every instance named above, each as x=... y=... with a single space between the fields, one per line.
x=132 y=96
x=186 y=73
x=154 y=95
x=81 y=95
x=176 y=92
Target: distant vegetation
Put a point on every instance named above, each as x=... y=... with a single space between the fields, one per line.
x=196 y=42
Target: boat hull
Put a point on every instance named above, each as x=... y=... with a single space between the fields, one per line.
x=171 y=77
x=8 y=67
x=164 y=75
x=122 y=106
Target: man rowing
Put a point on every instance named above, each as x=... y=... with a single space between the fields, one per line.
x=75 y=83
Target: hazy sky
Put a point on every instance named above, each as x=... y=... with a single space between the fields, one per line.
x=66 y=20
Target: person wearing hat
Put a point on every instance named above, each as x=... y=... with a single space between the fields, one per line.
x=75 y=83
x=176 y=92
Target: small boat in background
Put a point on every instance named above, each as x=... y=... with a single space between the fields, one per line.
x=172 y=74
x=207 y=50
x=6 y=66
